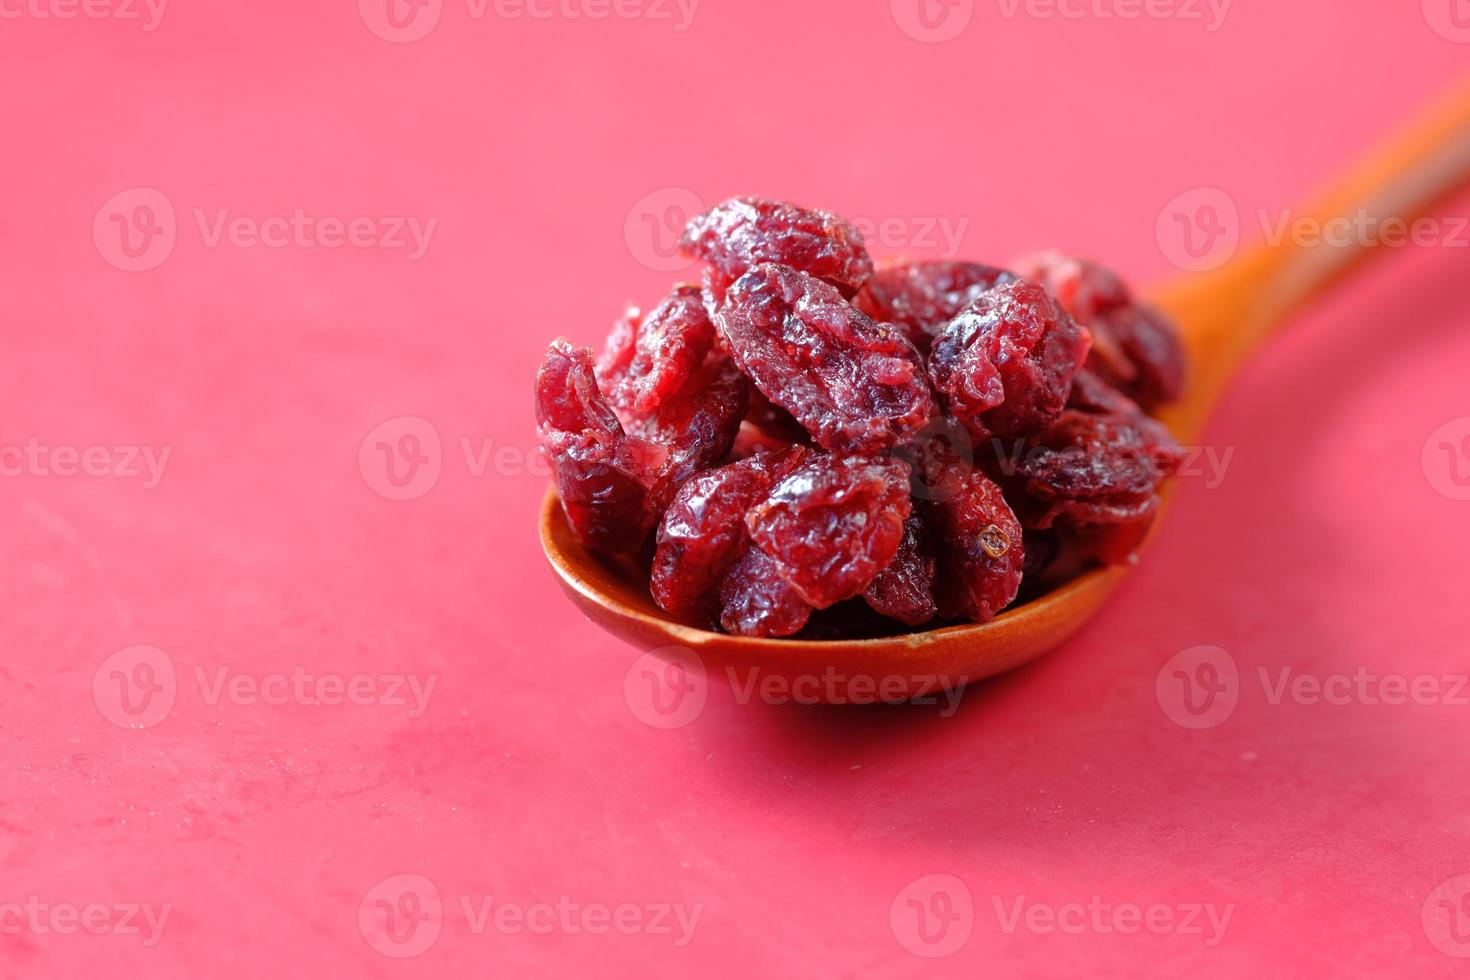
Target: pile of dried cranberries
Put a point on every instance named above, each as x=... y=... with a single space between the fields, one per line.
x=813 y=445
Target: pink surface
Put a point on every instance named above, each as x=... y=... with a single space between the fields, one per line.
x=267 y=826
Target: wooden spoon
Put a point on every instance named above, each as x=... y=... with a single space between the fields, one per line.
x=1224 y=315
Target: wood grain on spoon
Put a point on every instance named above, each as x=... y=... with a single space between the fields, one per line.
x=1224 y=316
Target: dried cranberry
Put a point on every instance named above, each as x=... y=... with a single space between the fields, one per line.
x=773 y=420
x=602 y=475
x=1096 y=469
x=756 y=601
x=1085 y=289
x=703 y=531
x=978 y=543
x=697 y=425
x=905 y=589
x=1005 y=364
x=651 y=357
x=740 y=233
x=1151 y=345
x=834 y=523
x=922 y=297
x=1135 y=346
x=615 y=480
x=856 y=386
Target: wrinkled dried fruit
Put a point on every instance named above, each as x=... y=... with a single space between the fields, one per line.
x=648 y=358
x=602 y=474
x=739 y=234
x=697 y=425
x=1135 y=347
x=855 y=385
x=615 y=480
x=773 y=420
x=1005 y=365
x=905 y=589
x=777 y=424
x=922 y=297
x=1151 y=346
x=977 y=540
x=1085 y=289
x=1096 y=469
x=756 y=601
x=703 y=531
x=834 y=523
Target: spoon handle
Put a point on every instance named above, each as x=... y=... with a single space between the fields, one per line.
x=1228 y=313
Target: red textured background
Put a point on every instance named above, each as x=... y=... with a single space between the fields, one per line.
x=531 y=777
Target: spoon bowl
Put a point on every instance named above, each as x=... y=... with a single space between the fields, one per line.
x=1223 y=316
